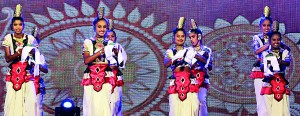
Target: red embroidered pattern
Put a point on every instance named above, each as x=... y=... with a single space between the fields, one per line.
x=257 y=74
x=97 y=76
x=277 y=87
x=18 y=75
x=199 y=77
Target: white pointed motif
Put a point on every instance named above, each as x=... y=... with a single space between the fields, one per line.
x=28 y=27
x=213 y=102
x=240 y=20
x=205 y=30
x=86 y=9
x=160 y=29
x=220 y=23
x=295 y=37
x=281 y=28
x=40 y=19
x=106 y=9
x=167 y=38
x=70 y=10
x=119 y=11
x=148 y=21
x=256 y=22
x=55 y=14
x=134 y=16
x=231 y=107
x=251 y=108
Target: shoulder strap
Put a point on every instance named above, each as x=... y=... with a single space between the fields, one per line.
x=25 y=41
x=174 y=51
x=94 y=48
x=280 y=55
x=185 y=53
x=13 y=42
x=261 y=41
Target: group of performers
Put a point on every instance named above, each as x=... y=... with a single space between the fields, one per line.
x=104 y=58
x=190 y=66
x=24 y=86
x=103 y=79
x=273 y=56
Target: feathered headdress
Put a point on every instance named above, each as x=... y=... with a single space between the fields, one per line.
x=194 y=26
x=267 y=11
x=111 y=24
x=18 y=11
x=275 y=26
x=181 y=23
x=101 y=13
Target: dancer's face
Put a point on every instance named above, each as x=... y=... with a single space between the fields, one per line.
x=111 y=36
x=275 y=41
x=265 y=27
x=18 y=26
x=194 y=38
x=179 y=38
x=101 y=28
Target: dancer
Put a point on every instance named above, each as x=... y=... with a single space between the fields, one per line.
x=97 y=89
x=275 y=89
x=201 y=64
x=183 y=98
x=117 y=57
x=20 y=96
x=260 y=44
x=38 y=81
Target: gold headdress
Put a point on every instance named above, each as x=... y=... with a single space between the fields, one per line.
x=181 y=23
x=275 y=26
x=195 y=26
x=18 y=11
x=111 y=24
x=267 y=11
x=101 y=13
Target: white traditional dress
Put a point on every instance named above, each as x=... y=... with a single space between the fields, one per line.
x=183 y=90
x=20 y=99
x=118 y=61
x=97 y=89
x=275 y=89
x=200 y=72
x=256 y=74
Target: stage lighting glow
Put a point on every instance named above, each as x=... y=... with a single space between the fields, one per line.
x=67 y=104
x=67 y=108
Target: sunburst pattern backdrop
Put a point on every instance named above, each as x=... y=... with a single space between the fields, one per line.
x=144 y=28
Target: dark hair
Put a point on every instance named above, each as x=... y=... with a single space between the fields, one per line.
x=262 y=19
x=175 y=31
x=105 y=35
x=197 y=31
x=274 y=33
x=97 y=19
x=14 y=19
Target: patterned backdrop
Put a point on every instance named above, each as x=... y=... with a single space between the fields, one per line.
x=144 y=28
